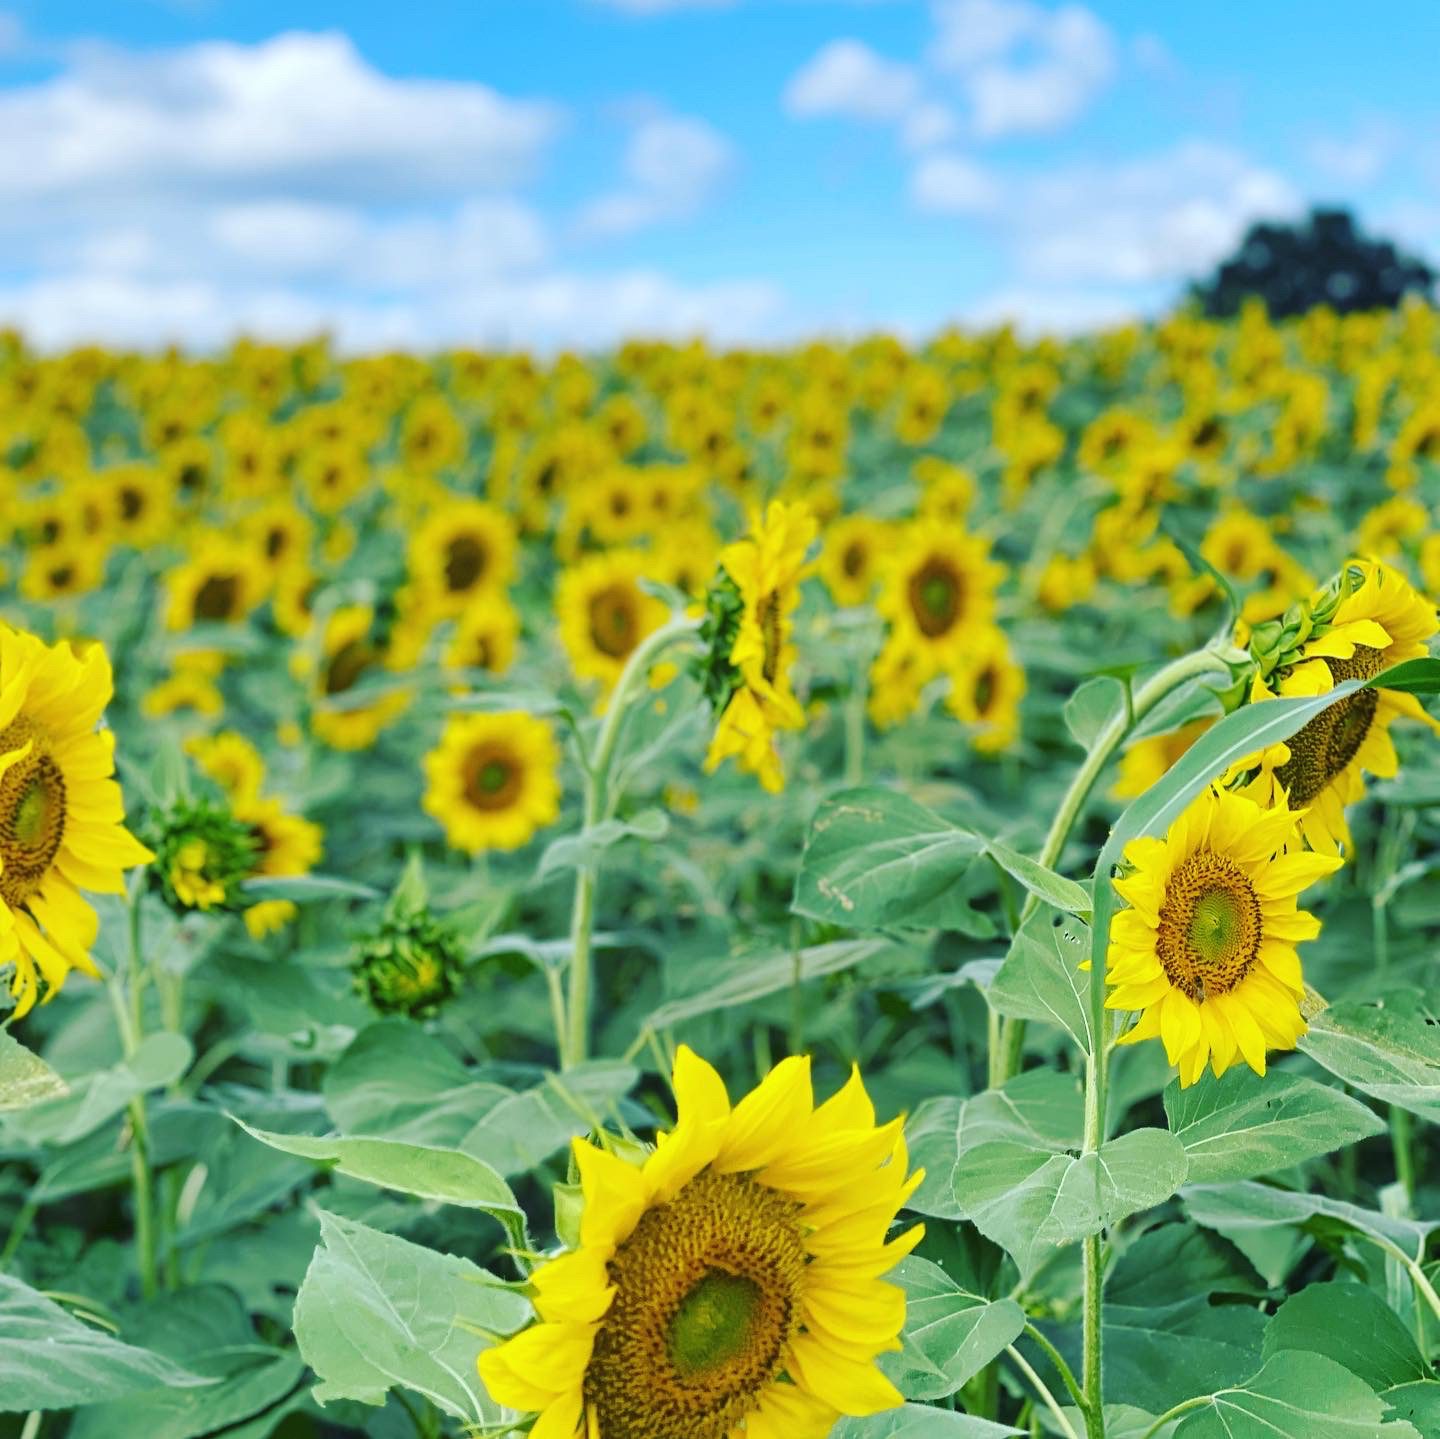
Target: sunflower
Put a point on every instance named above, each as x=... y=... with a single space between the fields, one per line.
x=1374 y=620
x=492 y=780
x=484 y=638
x=61 y=813
x=985 y=692
x=285 y=845
x=728 y=1287
x=1206 y=950
x=850 y=558
x=431 y=438
x=350 y=653
x=231 y=761
x=220 y=583
x=139 y=499
x=464 y=551
x=939 y=590
x=766 y=569
x=604 y=613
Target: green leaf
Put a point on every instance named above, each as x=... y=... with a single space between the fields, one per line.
x=50 y=1360
x=1041 y=978
x=208 y=1330
x=1054 y=889
x=1178 y=1258
x=160 y=1060
x=305 y=888
x=874 y=856
x=1388 y=1048
x=767 y=975
x=950 y=1335
x=1093 y=705
x=571 y=851
x=444 y=1175
x=1247 y=1205
x=1419 y=1403
x=376 y=1311
x=1295 y=1396
x=919 y=1421
x=1031 y=1202
x=25 y=1078
x=1416 y=677
x=1241 y=1125
x=1159 y=1355
x=1353 y=1326
x=1040 y=1107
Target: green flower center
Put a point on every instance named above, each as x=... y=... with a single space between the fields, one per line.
x=714 y=1322
x=1215 y=928
x=1211 y=925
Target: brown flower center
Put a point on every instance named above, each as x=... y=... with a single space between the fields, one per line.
x=937 y=596
x=614 y=620
x=32 y=814
x=1210 y=925
x=492 y=777
x=1324 y=747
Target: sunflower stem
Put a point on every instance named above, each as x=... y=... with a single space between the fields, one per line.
x=600 y=804
x=132 y=1030
x=1043 y=1390
x=1005 y=1061
x=1091 y=1255
x=1198 y=1402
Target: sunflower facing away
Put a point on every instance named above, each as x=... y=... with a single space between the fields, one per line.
x=492 y=780
x=729 y=1286
x=1206 y=950
x=61 y=814
x=1379 y=621
x=766 y=568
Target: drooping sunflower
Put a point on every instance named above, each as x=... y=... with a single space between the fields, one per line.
x=464 y=550
x=766 y=568
x=1206 y=950
x=1366 y=621
x=604 y=613
x=61 y=814
x=728 y=1287
x=939 y=589
x=492 y=781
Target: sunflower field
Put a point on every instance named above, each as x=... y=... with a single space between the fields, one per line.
x=874 y=891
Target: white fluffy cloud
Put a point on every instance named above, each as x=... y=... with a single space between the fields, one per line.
x=1158 y=218
x=847 y=78
x=672 y=165
x=300 y=114
x=1023 y=68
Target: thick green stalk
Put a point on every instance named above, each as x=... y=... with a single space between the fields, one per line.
x=1091 y=1255
x=1005 y=1059
x=600 y=804
x=132 y=1028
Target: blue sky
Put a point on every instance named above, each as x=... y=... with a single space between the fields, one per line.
x=566 y=172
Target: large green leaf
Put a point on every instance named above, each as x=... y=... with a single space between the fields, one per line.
x=1295 y=1396
x=50 y=1360
x=1353 y=1326
x=446 y=1175
x=919 y=1421
x=1235 y=1208
x=769 y=974
x=1041 y=978
x=1390 y=1048
x=1240 y=1125
x=874 y=856
x=207 y=1330
x=1031 y=1202
x=950 y=1335
x=1419 y=1403
x=1178 y=1258
x=376 y=1312
x=159 y=1060
x=25 y=1078
x=1040 y=1107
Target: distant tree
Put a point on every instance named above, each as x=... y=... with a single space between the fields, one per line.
x=1324 y=260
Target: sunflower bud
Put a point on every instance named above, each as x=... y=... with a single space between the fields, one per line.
x=410 y=963
x=203 y=854
x=717 y=675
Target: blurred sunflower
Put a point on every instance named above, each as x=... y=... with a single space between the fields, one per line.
x=850 y=558
x=729 y=1284
x=484 y=638
x=286 y=846
x=1147 y=761
x=231 y=761
x=219 y=583
x=61 y=814
x=604 y=613
x=986 y=688
x=1205 y=952
x=492 y=781
x=350 y=653
x=465 y=550
x=938 y=589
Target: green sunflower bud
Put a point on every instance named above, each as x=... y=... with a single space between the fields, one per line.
x=410 y=963
x=718 y=678
x=203 y=854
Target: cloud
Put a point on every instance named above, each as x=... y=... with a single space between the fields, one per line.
x=300 y=114
x=847 y=78
x=1163 y=217
x=1360 y=158
x=1023 y=68
x=1057 y=310
x=673 y=164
